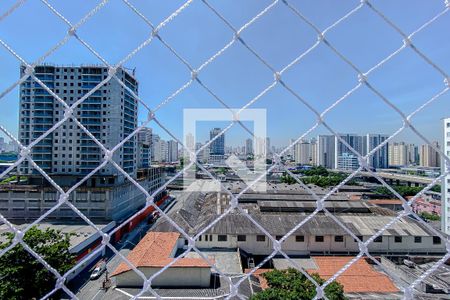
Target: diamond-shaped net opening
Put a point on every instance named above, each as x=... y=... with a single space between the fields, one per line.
x=78 y=162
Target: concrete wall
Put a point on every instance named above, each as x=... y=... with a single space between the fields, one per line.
x=173 y=277
x=98 y=204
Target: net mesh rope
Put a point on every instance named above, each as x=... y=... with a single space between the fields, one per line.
x=363 y=81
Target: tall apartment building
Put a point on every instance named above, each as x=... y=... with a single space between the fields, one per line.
x=172 y=151
x=144 y=139
x=145 y=135
x=342 y=152
x=143 y=155
x=155 y=148
x=445 y=189
x=412 y=154
x=217 y=147
x=326 y=151
x=164 y=151
x=397 y=154
x=303 y=153
x=110 y=114
x=268 y=147
x=379 y=160
x=428 y=156
x=314 y=157
x=348 y=161
x=249 y=147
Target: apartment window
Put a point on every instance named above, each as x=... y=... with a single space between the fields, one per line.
x=222 y=238
x=360 y=237
x=300 y=238
x=278 y=237
x=398 y=239
x=339 y=238
x=241 y=238
x=436 y=240
x=200 y=238
x=261 y=238
x=417 y=239
x=378 y=239
x=319 y=238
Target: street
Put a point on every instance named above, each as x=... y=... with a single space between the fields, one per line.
x=92 y=289
x=84 y=288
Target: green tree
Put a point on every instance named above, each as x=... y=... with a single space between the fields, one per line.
x=330 y=179
x=430 y=217
x=23 y=277
x=436 y=188
x=319 y=170
x=402 y=190
x=291 y=284
x=221 y=170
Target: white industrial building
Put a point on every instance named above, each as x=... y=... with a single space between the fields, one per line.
x=155 y=251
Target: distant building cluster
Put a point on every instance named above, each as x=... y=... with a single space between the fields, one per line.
x=334 y=153
x=153 y=149
x=7 y=147
x=402 y=154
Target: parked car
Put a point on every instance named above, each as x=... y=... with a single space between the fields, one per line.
x=98 y=270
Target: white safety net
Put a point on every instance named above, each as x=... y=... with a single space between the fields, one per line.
x=156 y=36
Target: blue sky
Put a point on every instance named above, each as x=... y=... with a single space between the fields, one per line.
x=279 y=36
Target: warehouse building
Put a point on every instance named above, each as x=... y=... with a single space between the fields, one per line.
x=319 y=235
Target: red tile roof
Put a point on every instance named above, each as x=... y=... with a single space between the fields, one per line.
x=360 y=277
x=154 y=250
x=386 y=201
x=258 y=274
